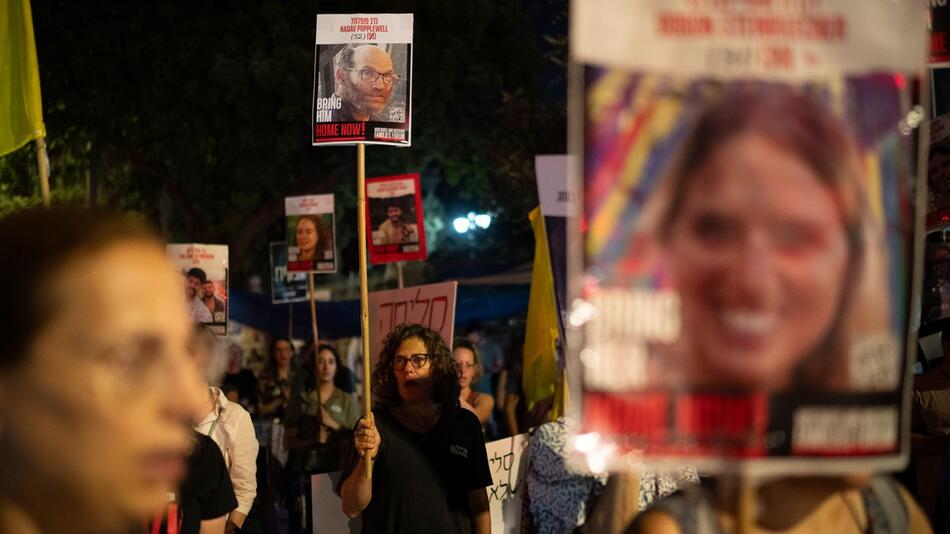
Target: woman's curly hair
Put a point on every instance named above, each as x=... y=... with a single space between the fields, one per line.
x=444 y=374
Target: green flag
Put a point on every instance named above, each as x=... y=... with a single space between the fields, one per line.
x=21 y=108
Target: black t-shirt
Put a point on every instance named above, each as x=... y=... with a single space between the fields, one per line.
x=206 y=492
x=421 y=481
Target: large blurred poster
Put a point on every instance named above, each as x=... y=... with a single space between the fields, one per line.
x=286 y=286
x=204 y=270
x=311 y=234
x=363 y=79
x=747 y=229
x=394 y=219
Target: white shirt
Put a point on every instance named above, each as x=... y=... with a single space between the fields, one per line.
x=199 y=312
x=229 y=425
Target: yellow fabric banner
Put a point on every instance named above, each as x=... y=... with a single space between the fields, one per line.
x=21 y=108
x=540 y=375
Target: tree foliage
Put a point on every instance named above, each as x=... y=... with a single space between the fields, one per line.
x=197 y=115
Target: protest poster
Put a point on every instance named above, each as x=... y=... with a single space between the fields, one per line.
x=285 y=286
x=204 y=270
x=747 y=232
x=431 y=305
x=311 y=234
x=394 y=219
x=507 y=461
x=362 y=87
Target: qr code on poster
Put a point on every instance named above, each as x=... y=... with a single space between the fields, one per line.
x=397 y=115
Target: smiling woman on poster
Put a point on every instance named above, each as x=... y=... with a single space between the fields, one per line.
x=310 y=239
x=766 y=233
x=431 y=467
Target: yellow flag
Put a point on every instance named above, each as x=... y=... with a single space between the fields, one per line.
x=21 y=109
x=540 y=375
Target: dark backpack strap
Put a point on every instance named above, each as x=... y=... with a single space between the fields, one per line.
x=885 y=508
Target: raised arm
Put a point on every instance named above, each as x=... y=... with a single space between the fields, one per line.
x=357 y=490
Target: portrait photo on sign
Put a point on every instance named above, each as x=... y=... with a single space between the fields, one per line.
x=365 y=82
x=286 y=286
x=204 y=270
x=747 y=263
x=310 y=242
x=395 y=222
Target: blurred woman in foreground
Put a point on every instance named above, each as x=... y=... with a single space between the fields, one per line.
x=97 y=387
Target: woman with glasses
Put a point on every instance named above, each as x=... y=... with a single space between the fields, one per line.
x=465 y=354
x=430 y=468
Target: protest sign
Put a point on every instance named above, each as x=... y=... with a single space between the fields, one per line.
x=204 y=269
x=311 y=234
x=285 y=286
x=362 y=87
x=394 y=219
x=431 y=305
x=747 y=232
x=507 y=461
x=326 y=510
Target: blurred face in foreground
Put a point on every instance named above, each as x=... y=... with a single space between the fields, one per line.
x=759 y=254
x=94 y=419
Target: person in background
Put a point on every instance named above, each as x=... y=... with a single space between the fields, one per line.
x=229 y=425
x=276 y=380
x=205 y=497
x=97 y=387
x=430 y=467
x=465 y=354
x=318 y=414
x=242 y=378
x=849 y=504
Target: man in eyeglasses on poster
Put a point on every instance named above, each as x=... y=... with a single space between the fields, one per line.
x=364 y=83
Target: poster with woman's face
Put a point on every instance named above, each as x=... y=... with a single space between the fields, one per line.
x=204 y=270
x=311 y=234
x=746 y=241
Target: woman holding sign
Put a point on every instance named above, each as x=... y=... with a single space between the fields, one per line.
x=430 y=468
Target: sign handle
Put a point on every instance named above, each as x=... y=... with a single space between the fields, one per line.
x=364 y=289
x=747 y=505
x=316 y=345
x=42 y=161
x=399 y=281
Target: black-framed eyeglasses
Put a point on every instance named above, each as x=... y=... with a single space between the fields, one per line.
x=370 y=75
x=418 y=361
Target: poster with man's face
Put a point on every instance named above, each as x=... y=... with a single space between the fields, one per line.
x=741 y=283
x=204 y=270
x=311 y=234
x=286 y=286
x=395 y=222
x=363 y=79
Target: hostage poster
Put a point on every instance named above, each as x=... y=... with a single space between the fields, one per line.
x=362 y=87
x=748 y=229
x=204 y=271
x=286 y=286
x=394 y=219
x=311 y=234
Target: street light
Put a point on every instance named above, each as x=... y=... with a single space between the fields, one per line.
x=471 y=222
